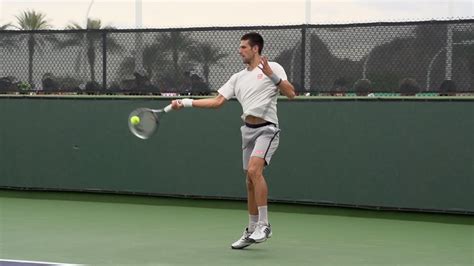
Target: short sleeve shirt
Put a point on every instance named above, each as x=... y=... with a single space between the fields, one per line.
x=255 y=92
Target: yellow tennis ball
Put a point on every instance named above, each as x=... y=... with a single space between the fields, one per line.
x=135 y=120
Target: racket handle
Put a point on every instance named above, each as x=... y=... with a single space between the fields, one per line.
x=167 y=108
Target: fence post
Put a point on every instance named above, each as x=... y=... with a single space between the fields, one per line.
x=104 y=60
x=303 y=57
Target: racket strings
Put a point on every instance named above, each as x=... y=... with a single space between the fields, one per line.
x=149 y=122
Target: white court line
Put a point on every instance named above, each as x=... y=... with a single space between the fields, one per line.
x=41 y=262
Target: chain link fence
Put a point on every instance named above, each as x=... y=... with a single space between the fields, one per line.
x=404 y=58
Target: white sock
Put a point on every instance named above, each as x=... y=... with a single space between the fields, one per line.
x=262 y=214
x=253 y=219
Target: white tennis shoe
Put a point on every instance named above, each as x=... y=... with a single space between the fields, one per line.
x=244 y=240
x=262 y=233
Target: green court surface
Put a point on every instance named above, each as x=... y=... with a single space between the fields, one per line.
x=97 y=229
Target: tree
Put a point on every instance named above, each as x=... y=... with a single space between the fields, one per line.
x=6 y=41
x=327 y=71
x=90 y=39
x=178 y=44
x=463 y=55
x=5 y=26
x=408 y=55
x=207 y=55
x=31 y=21
x=290 y=60
x=153 y=59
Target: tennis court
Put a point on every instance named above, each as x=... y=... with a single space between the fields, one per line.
x=97 y=229
x=373 y=167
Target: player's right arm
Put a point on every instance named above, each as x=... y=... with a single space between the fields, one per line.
x=214 y=103
x=225 y=93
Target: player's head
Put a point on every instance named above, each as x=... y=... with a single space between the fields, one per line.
x=251 y=44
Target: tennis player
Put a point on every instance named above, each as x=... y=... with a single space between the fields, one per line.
x=256 y=88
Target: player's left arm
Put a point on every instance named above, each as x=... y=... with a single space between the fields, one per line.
x=285 y=87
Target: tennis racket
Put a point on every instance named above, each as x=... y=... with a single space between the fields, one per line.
x=149 y=120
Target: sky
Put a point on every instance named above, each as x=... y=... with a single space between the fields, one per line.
x=205 y=13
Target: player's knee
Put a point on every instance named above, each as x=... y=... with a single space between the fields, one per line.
x=249 y=183
x=253 y=173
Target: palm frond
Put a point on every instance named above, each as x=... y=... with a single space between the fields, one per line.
x=5 y=26
x=94 y=24
x=113 y=46
x=206 y=53
x=74 y=26
x=32 y=20
x=88 y=41
x=8 y=43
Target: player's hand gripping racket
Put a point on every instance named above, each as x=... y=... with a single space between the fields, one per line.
x=143 y=122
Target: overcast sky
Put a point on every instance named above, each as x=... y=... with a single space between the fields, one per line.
x=192 y=13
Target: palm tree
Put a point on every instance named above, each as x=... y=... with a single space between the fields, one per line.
x=287 y=59
x=178 y=44
x=32 y=20
x=91 y=40
x=6 y=41
x=153 y=58
x=5 y=26
x=207 y=55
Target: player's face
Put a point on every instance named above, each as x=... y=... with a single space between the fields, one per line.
x=247 y=52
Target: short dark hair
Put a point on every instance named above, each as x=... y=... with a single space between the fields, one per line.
x=254 y=39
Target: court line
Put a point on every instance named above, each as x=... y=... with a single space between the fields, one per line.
x=40 y=262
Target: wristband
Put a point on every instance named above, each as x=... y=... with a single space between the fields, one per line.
x=187 y=102
x=275 y=79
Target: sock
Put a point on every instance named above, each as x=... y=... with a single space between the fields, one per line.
x=262 y=214
x=253 y=219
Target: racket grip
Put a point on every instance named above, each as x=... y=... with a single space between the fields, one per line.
x=167 y=108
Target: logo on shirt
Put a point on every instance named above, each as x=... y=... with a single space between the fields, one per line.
x=260 y=76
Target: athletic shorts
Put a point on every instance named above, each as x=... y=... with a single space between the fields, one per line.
x=260 y=141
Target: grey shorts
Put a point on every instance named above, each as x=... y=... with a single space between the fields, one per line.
x=261 y=141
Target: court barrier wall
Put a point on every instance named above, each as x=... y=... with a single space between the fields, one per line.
x=388 y=153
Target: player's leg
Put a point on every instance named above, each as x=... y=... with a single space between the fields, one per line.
x=256 y=182
x=264 y=148
x=251 y=202
x=255 y=174
x=251 y=205
x=244 y=241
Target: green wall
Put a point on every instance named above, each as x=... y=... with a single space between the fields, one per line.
x=399 y=153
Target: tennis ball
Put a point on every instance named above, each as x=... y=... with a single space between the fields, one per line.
x=135 y=120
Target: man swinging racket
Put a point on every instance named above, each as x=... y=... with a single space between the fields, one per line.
x=256 y=88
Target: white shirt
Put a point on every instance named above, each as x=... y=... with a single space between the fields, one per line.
x=255 y=92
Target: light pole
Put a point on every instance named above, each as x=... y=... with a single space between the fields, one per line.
x=449 y=45
x=449 y=53
x=86 y=24
x=364 y=66
x=138 y=38
x=308 y=12
x=87 y=14
x=307 y=44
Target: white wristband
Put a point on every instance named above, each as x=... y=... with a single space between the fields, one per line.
x=187 y=102
x=275 y=79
